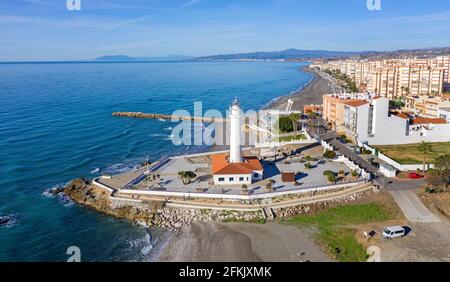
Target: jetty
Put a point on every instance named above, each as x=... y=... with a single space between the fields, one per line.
x=141 y=115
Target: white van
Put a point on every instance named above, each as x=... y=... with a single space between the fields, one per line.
x=394 y=232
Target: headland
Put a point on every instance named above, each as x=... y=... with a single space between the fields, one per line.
x=156 y=195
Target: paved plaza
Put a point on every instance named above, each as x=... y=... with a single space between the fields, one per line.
x=305 y=178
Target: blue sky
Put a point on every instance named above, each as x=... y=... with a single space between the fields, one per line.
x=46 y=30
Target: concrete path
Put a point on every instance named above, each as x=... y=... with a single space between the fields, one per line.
x=412 y=207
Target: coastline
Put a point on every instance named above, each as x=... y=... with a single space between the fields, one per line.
x=242 y=241
x=311 y=93
x=215 y=241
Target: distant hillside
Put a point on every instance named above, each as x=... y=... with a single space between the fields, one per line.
x=123 y=58
x=424 y=52
x=288 y=54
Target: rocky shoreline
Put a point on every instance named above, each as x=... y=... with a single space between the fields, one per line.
x=155 y=214
x=150 y=214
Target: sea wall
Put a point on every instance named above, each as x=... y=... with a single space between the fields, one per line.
x=157 y=214
x=148 y=213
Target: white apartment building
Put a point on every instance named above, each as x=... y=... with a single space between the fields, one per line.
x=426 y=106
x=444 y=113
x=371 y=123
x=396 y=77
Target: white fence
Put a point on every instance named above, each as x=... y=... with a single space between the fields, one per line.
x=238 y=197
x=327 y=146
x=401 y=167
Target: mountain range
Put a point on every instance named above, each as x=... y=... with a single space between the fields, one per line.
x=289 y=54
x=283 y=55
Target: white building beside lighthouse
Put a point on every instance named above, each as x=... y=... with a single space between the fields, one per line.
x=232 y=168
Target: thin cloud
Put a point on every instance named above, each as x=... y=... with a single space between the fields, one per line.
x=190 y=3
x=121 y=24
x=37 y=2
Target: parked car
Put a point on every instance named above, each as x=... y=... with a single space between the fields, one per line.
x=415 y=175
x=394 y=232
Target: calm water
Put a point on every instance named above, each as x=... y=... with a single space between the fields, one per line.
x=56 y=125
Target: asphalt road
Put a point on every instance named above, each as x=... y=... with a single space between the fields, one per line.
x=412 y=207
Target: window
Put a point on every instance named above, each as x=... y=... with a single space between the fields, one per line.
x=241 y=178
x=255 y=175
x=231 y=179
x=221 y=179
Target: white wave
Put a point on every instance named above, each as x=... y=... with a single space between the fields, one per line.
x=8 y=220
x=158 y=135
x=95 y=170
x=170 y=137
x=126 y=166
x=50 y=193
x=161 y=119
x=62 y=198
x=146 y=250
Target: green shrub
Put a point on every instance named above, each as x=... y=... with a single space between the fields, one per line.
x=308 y=158
x=329 y=154
x=308 y=165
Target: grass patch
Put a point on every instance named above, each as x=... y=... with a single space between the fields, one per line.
x=409 y=154
x=254 y=220
x=335 y=228
x=344 y=215
x=342 y=244
x=291 y=138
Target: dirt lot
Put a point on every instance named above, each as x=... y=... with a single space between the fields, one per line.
x=425 y=242
x=439 y=203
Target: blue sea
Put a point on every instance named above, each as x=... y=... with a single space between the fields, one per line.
x=56 y=125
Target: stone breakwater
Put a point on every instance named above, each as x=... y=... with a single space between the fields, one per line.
x=166 y=117
x=151 y=214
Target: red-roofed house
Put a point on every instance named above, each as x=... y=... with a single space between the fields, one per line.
x=247 y=172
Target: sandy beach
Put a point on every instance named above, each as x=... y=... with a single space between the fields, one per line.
x=236 y=242
x=311 y=94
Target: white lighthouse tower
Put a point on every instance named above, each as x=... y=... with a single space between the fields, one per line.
x=235 y=133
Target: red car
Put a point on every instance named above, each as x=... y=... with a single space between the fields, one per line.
x=414 y=175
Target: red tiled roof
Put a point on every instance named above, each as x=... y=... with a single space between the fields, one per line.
x=402 y=115
x=220 y=165
x=423 y=120
x=355 y=103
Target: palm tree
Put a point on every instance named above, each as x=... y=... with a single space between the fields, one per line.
x=186 y=176
x=294 y=118
x=425 y=148
x=442 y=165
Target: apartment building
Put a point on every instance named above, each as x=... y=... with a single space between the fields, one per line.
x=444 y=113
x=428 y=106
x=367 y=123
x=333 y=108
x=396 y=77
